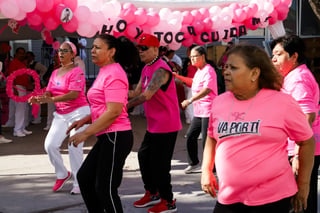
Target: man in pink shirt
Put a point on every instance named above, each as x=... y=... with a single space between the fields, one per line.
x=156 y=90
x=299 y=82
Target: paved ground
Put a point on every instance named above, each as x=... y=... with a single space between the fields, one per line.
x=27 y=177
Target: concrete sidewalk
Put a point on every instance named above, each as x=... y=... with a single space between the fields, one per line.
x=27 y=177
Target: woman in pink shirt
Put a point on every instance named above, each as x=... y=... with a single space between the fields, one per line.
x=204 y=90
x=299 y=82
x=66 y=90
x=101 y=173
x=247 y=140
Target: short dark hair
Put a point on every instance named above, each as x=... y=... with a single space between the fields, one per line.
x=30 y=53
x=255 y=56
x=291 y=44
x=20 y=48
x=126 y=54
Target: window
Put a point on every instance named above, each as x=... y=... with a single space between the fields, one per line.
x=309 y=22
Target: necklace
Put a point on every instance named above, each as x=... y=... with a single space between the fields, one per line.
x=240 y=115
x=64 y=65
x=152 y=62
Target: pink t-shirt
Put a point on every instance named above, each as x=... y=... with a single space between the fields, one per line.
x=251 y=152
x=74 y=80
x=204 y=78
x=302 y=86
x=162 y=110
x=111 y=85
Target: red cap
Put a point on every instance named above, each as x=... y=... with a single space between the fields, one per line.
x=148 y=40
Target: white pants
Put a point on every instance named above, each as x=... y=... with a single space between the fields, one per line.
x=12 y=112
x=188 y=112
x=20 y=112
x=50 y=110
x=56 y=136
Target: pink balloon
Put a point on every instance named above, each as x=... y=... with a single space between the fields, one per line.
x=50 y=23
x=56 y=45
x=184 y=29
x=248 y=11
x=129 y=6
x=57 y=2
x=274 y=2
x=187 y=17
x=132 y=29
x=249 y=24
x=282 y=10
x=234 y=6
x=286 y=2
x=44 y=5
x=27 y=6
x=72 y=4
x=79 y=13
x=37 y=28
x=97 y=19
x=85 y=28
x=198 y=26
x=140 y=16
x=196 y=14
x=215 y=10
x=23 y=22
x=21 y=15
x=197 y=40
x=153 y=19
x=58 y=10
x=187 y=42
x=34 y=18
x=268 y=7
x=49 y=40
x=207 y=24
x=273 y=17
x=239 y=15
x=9 y=8
x=204 y=13
x=146 y=29
x=71 y=26
x=175 y=46
x=254 y=8
x=127 y=15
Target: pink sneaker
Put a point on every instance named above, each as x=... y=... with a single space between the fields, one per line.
x=60 y=182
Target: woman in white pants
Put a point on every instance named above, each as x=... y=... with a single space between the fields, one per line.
x=66 y=89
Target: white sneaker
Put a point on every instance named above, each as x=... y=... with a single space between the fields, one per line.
x=6 y=125
x=46 y=128
x=5 y=140
x=193 y=169
x=26 y=132
x=19 y=134
x=75 y=190
x=36 y=122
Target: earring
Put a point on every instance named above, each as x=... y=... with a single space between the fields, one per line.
x=252 y=80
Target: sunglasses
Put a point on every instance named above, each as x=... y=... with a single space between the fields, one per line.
x=143 y=48
x=63 y=50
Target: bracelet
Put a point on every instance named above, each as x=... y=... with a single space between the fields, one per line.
x=190 y=100
x=296 y=157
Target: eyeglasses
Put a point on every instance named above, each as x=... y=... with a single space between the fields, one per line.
x=63 y=50
x=194 y=56
x=143 y=48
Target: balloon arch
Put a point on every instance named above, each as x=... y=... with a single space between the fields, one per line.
x=174 y=27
